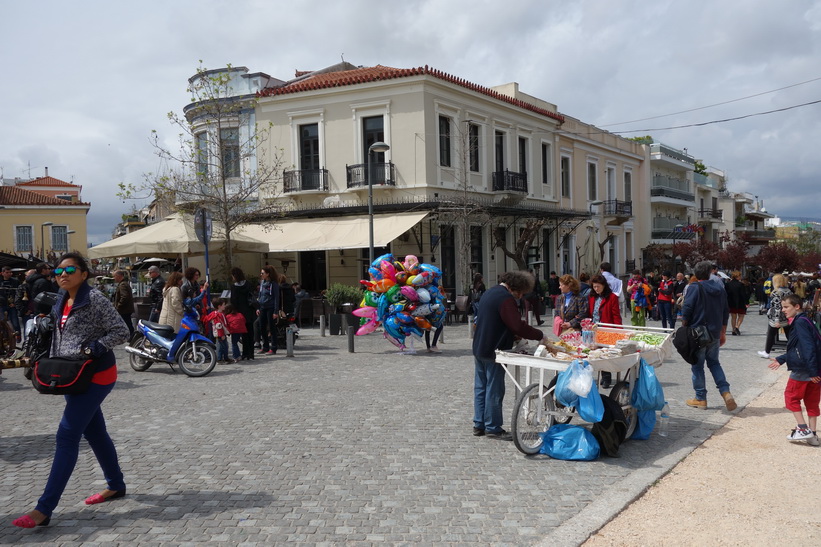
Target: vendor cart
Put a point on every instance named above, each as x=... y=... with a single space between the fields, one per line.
x=536 y=409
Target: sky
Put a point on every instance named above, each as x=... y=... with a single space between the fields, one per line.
x=85 y=83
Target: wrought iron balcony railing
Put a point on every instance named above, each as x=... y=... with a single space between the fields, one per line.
x=509 y=181
x=301 y=180
x=617 y=207
x=382 y=174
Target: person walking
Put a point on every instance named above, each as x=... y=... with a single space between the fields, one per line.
x=8 y=294
x=776 y=319
x=124 y=299
x=664 y=301
x=802 y=357
x=737 y=298
x=86 y=324
x=155 y=289
x=705 y=305
x=499 y=322
x=244 y=302
x=268 y=309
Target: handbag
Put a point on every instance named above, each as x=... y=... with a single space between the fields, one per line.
x=61 y=376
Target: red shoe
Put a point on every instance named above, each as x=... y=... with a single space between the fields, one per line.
x=98 y=498
x=27 y=522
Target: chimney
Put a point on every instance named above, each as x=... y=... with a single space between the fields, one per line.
x=46 y=171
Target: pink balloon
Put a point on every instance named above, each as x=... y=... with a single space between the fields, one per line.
x=388 y=270
x=365 y=311
x=367 y=328
x=409 y=293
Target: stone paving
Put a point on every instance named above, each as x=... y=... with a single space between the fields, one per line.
x=331 y=447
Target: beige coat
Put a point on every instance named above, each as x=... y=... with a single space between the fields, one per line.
x=171 y=313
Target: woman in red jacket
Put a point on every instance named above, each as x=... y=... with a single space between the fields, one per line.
x=604 y=308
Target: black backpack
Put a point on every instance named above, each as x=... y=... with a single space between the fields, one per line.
x=612 y=429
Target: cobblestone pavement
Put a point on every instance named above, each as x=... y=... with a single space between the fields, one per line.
x=332 y=447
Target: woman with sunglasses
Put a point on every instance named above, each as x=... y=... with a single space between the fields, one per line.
x=85 y=325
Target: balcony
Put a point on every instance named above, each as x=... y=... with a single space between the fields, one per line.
x=382 y=174
x=670 y=228
x=670 y=187
x=619 y=211
x=303 y=180
x=758 y=235
x=509 y=181
x=710 y=215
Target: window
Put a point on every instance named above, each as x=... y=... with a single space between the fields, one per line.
x=59 y=238
x=309 y=146
x=628 y=186
x=591 y=182
x=565 y=167
x=473 y=147
x=229 y=140
x=444 y=141
x=610 y=183
x=202 y=154
x=23 y=239
x=373 y=130
x=499 y=148
x=522 y=155
x=65 y=197
x=547 y=164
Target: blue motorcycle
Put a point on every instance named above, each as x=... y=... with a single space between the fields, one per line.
x=152 y=342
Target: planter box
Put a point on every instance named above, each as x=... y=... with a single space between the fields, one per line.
x=339 y=323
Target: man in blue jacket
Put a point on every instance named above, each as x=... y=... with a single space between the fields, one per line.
x=706 y=304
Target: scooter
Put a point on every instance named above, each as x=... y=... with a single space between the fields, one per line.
x=152 y=342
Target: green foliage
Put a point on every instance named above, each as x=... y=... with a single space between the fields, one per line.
x=339 y=294
x=700 y=168
x=646 y=139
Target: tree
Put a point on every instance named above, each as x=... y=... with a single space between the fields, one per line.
x=695 y=250
x=809 y=241
x=223 y=162
x=735 y=253
x=777 y=257
x=810 y=262
x=523 y=242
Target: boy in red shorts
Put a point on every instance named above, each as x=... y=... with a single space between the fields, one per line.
x=803 y=348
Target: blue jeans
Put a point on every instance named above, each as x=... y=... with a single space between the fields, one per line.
x=82 y=417
x=235 y=338
x=666 y=314
x=268 y=329
x=222 y=349
x=709 y=353
x=488 y=395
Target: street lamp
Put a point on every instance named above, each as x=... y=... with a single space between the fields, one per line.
x=593 y=204
x=68 y=238
x=375 y=147
x=43 y=238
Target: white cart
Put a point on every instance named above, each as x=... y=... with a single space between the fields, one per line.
x=536 y=408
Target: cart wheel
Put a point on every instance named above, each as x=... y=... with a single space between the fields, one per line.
x=621 y=394
x=531 y=416
x=563 y=414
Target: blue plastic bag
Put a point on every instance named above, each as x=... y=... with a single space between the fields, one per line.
x=570 y=442
x=648 y=393
x=591 y=408
x=645 y=423
x=562 y=392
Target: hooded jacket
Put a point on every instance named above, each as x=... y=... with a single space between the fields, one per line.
x=706 y=304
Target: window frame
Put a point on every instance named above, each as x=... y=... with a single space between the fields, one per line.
x=592 y=180
x=63 y=237
x=547 y=163
x=230 y=157
x=474 y=141
x=445 y=133
x=566 y=175
x=627 y=185
x=17 y=247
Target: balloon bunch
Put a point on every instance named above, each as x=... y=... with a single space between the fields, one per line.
x=403 y=297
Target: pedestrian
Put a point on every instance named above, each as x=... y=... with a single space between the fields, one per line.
x=219 y=329
x=8 y=294
x=705 y=304
x=86 y=324
x=802 y=356
x=23 y=303
x=476 y=292
x=172 y=309
x=776 y=319
x=237 y=327
x=300 y=295
x=603 y=308
x=437 y=333
x=268 y=309
x=572 y=306
x=155 y=288
x=124 y=299
x=534 y=299
x=553 y=290
x=244 y=302
x=664 y=301
x=498 y=324
x=639 y=292
x=737 y=298
x=614 y=282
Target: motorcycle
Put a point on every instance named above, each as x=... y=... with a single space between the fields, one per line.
x=152 y=342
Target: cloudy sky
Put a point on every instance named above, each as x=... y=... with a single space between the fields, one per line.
x=84 y=83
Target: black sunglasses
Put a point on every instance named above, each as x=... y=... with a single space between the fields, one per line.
x=68 y=269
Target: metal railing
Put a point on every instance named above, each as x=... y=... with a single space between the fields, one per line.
x=509 y=181
x=616 y=207
x=711 y=213
x=630 y=265
x=382 y=174
x=664 y=223
x=305 y=179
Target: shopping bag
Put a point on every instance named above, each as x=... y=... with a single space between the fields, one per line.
x=591 y=407
x=557 y=325
x=581 y=377
x=648 y=393
x=562 y=392
x=570 y=442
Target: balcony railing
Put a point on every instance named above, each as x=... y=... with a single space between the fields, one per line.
x=761 y=234
x=716 y=214
x=305 y=179
x=664 y=223
x=616 y=207
x=382 y=174
x=509 y=181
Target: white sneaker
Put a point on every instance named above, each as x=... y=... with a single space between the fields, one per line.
x=800 y=435
x=763 y=354
x=813 y=441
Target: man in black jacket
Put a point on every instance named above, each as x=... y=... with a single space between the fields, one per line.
x=155 y=288
x=8 y=292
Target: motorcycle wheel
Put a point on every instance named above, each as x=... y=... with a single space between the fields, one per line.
x=197 y=359
x=138 y=363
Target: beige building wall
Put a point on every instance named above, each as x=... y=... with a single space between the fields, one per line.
x=71 y=217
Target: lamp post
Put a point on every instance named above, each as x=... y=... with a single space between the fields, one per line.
x=43 y=239
x=68 y=239
x=375 y=147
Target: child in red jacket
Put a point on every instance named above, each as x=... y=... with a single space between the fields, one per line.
x=219 y=326
x=236 y=325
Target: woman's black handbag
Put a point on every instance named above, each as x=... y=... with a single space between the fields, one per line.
x=61 y=376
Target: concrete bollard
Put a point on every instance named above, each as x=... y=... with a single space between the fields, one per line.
x=289 y=342
x=351 y=334
x=322 y=326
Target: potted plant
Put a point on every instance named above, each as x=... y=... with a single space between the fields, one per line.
x=342 y=299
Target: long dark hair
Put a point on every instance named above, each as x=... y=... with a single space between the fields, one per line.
x=173 y=280
x=601 y=281
x=77 y=258
x=237 y=274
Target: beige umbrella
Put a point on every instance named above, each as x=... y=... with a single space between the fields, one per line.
x=589 y=259
x=174 y=236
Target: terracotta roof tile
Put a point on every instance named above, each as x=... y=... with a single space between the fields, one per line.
x=379 y=72
x=47 y=181
x=13 y=195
